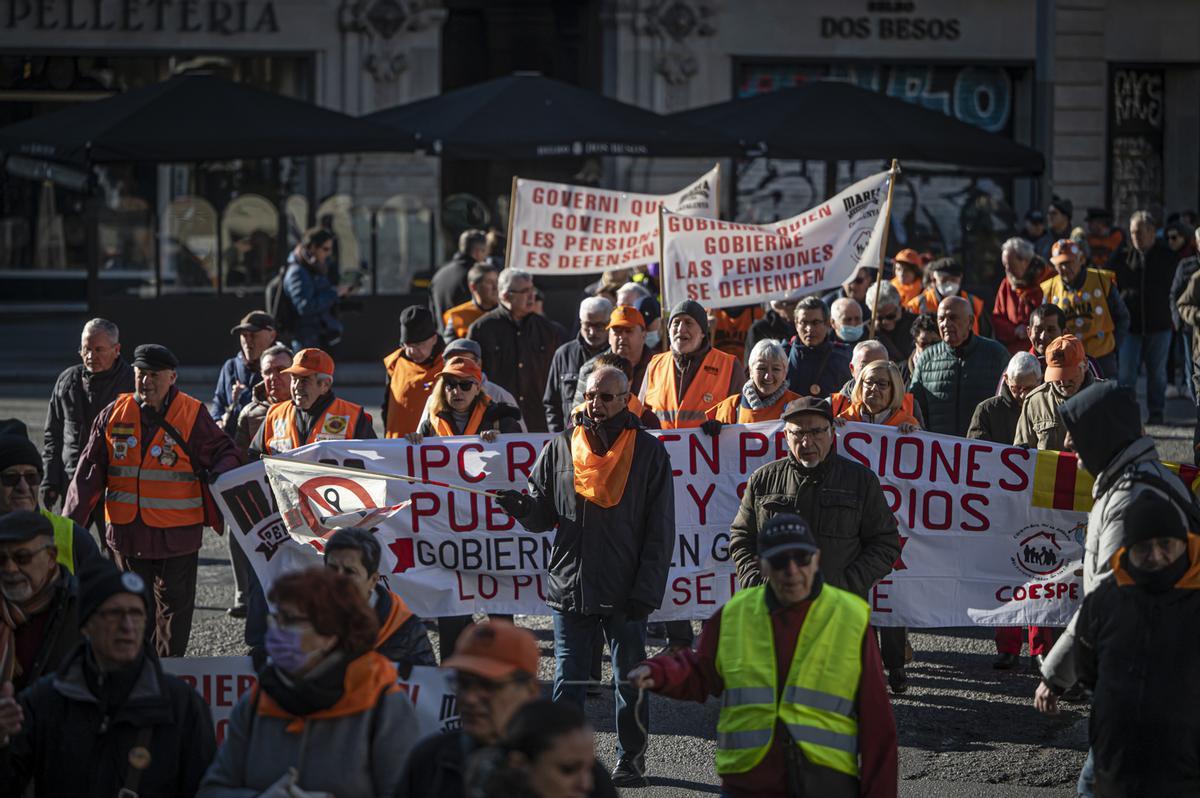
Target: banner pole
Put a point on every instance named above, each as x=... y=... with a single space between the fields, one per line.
x=887 y=226
x=665 y=310
x=360 y=472
x=512 y=209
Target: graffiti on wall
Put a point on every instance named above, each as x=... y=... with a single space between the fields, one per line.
x=1136 y=149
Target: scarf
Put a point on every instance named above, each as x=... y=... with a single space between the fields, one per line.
x=335 y=690
x=756 y=401
x=601 y=478
x=445 y=429
x=14 y=615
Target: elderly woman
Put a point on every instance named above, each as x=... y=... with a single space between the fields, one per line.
x=879 y=398
x=461 y=407
x=1019 y=293
x=763 y=396
x=326 y=716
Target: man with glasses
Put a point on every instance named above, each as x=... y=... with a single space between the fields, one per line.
x=893 y=324
x=559 y=397
x=607 y=487
x=804 y=710
x=817 y=363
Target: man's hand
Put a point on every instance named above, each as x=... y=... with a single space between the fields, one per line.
x=235 y=393
x=11 y=715
x=711 y=428
x=639 y=677
x=1045 y=700
x=490 y=435
x=513 y=502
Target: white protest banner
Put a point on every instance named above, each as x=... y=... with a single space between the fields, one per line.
x=221 y=681
x=721 y=264
x=991 y=535
x=557 y=228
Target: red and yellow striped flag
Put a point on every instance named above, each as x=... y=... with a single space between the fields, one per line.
x=1060 y=484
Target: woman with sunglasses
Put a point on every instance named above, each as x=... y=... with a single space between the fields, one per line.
x=326 y=717
x=879 y=398
x=460 y=407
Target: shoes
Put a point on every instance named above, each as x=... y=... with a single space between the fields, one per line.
x=236 y=611
x=656 y=630
x=1006 y=662
x=898 y=681
x=628 y=773
x=1155 y=418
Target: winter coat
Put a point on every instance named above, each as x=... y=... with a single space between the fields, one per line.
x=314 y=299
x=604 y=558
x=1183 y=276
x=235 y=369
x=1144 y=281
x=77 y=398
x=449 y=284
x=995 y=419
x=1012 y=308
x=59 y=633
x=950 y=383
x=517 y=356
x=405 y=643
x=1188 y=307
x=771 y=326
x=898 y=340
x=68 y=746
x=826 y=365
x=251 y=418
x=1139 y=654
x=1039 y=425
x=843 y=504
x=559 y=397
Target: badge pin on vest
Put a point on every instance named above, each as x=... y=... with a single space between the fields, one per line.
x=155 y=450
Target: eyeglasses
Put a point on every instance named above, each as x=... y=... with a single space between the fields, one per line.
x=462 y=681
x=877 y=384
x=801 y=434
x=462 y=385
x=21 y=557
x=11 y=480
x=893 y=316
x=780 y=561
x=603 y=396
x=114 y=615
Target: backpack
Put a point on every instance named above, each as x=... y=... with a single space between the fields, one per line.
x=1190 y=510
x=279 y=304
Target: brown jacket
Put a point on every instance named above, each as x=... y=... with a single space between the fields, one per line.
x=251 y=418
x=1039 y=425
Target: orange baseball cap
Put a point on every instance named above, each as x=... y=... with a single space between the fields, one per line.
x=310 y=361
x=1063 y=354
x=910 y=257
x=495 y=650
x=463 y=367
x=626 y=316
x=1063 y=251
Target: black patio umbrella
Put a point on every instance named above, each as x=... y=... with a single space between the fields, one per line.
x=194 y=117
x=526 y=115
x=837 y=121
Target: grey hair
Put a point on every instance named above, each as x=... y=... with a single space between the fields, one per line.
x=603 y=370
x=888 y=295
x=1023 y=364
x=105 y=326
x=841 y=302
x=594 y=306
x=471 y=238
x=509 y=276
x=638 y=290
x=869 y=345
x=767 y=349
x=275 y=349
x=1142 y=216
x=1019 y=247
x=324 y=378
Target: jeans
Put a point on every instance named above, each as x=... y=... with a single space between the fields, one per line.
x=1086 y=786
x=1152 y=348
x=574 y=637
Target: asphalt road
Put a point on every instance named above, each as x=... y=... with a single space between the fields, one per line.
x=964 y=729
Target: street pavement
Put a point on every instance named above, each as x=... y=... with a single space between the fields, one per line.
x=964 y=729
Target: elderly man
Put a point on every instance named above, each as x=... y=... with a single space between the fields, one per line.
x=827 y=728
x=483 y=283
x=239 y=374
x=150 y=456
x=448 y=287
x=471 y=351
x=559 y=398
x=1046 y=323
x=109 y=705
x=627 y=337
x=847 y=319
x=1092 y=307
x=817 y=363
x=995 y=419
x=892 y=323
x=606 y=488
x=412 y=370
x=518 y=346
x=1067 y=373
x=1144 y=272
x=946 y=276
x=80 y=393
x=954 y=375
x=775 y=325
x=1019 y=293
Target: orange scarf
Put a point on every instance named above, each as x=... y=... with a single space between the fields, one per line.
x=397 y=617
x=367 y=678
x=442 y=427
x=601 y=478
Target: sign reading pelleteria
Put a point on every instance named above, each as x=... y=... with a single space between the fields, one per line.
x=558 y=228
x=722 y=264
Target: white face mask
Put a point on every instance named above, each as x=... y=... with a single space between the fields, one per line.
x=948 y=289
x=652 y=339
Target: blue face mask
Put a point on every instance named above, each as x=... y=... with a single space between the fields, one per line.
x=850 y=333
x=284 y=648
x=652 y=339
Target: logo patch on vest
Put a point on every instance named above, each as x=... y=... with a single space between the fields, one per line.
x=335 y=424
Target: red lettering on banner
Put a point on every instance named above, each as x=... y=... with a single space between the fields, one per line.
x=455 y=499
x=419 y=512
x=851 y=438
x=671 y=437
x=702 y=501
x=711 y=456
x=433 y=456
x=694 y=270
x=1050 y=591
x=879 y=598
x=698 y=292
x=465 y=475
x=973 y=465
x=520 y=464
x=751 y=446
x=937 y=454
x=1007 y=457
x=541 y=240
x=968 y=504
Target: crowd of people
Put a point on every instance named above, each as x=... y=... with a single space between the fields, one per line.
x=803 y=676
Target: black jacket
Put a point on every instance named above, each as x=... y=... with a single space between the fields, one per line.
x=559 y=398
x=517 y=356
x=1139 y=653
x=771 y=326
x=843 y=504
x=995 y=419
x=826 y=365
x=409 y=645
x=1144 y=282
x=60 y=631
x=77 y=399
x=449 y=285
x=602 y=558
x=69 y=746
x=898 y=340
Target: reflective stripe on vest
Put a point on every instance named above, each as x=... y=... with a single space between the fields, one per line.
x=817 y=705
x=337 y=423
x=1089 y=317
x=155 y=477
x=709 y=385
x=64 y=539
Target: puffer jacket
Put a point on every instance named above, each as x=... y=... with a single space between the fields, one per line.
x=1040 y=426
x=950 y=383
x=1144 y=280
x=995 y=419
x=843 y=504
x=603 y=558
x=517 y=356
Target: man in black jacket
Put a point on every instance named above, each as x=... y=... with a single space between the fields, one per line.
x=449 y=284
x=607 y=485
x=559 y=399
x=80 y=393
x=818 y=364
x=109 y=721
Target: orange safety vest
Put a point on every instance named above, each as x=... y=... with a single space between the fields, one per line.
x=907 y=292
x=929 y=300
x=710 y=384
x=730 y=410
x=729 y=333
x=1089 y=318
x=461 y=317
x=409 y=386
x=442 y=427
x=901 y=415
x=160 y=484
x=337 y=423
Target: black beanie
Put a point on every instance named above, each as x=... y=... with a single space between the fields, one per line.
x=1064 y=206
x=101 y=581
x=416 y=325
x=689 y=307
x=1103 y=419
x=1150 y=515
x=18 y=450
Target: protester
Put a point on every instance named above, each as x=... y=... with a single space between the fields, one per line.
x=150 y=456
x=864 y=352
x=1187 y=266
x=879 y=398
x=483 y=285
x=1136 y=650
x=804 y=710
x=1034 y=229
x=79 y=394
x=651 y=313
x=411 y=370
x=1092 y=308
x=762 y=397
x=1067 y=373
x=855 y=288
x=460 y=406
x=1188 y=308
x=448 y=288
x=109 y=721
x=497 y=244
x=775 y=325
x=470 y=350
x=846 y=317
x=1144 y=272
x=954 y=375
x=1103 y=240
x=1058 y=218
x=239 y=374
x=1019 y=293
x=559 y=397
x=607 y=487
x=892 y=323
x=312 y=295
x=909 y=275
x=518 y=346
x=326 y=716
x=946 y=275
x=817 y=364
x=273 y=389
x=925 y=333
x=730 y=327
x=627 y=337
x=995 y=419
x=644 y=416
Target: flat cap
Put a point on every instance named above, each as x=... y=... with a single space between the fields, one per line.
x=807 y=404
x=154 y=357
x=23 y=525
x=254 y=321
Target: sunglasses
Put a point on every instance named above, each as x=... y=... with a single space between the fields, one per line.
x=781 y=560
x=462 y=385
x=603 y=396
x=21 y=557
x=893 y=316
x=11 y=480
